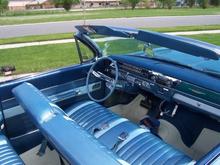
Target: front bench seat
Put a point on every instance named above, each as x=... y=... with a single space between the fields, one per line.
x=75 y=144
x=141 y=146
x=7 y=154
x=90 y=115
x=146 y=148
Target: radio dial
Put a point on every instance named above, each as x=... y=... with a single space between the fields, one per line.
x=145 y=84
x=153 y=78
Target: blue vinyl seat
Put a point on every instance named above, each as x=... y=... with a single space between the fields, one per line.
x=138 y=145
x=7 y=154
x=115 y=140
x=90 y=115
x=75 y=144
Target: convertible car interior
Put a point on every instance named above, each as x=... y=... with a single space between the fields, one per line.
x=137 y=97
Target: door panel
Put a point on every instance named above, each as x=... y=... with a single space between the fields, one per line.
x=63 y=86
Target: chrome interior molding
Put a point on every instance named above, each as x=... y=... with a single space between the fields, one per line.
x=55 y=94
x=196 y=104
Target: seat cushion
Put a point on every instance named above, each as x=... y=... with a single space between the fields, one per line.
x=145 y=148
x=139 y=147
x=90 y=115
x=7 y=154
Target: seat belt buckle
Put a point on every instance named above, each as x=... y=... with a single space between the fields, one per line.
x=100 y=127
x=122 y=137
x=151 y=123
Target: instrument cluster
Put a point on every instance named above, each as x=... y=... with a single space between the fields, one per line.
x=157 y=83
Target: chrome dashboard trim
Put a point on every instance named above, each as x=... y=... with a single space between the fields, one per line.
x=197 y=104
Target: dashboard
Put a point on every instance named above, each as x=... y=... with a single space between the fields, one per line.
x=168 y=88
x=157 y=83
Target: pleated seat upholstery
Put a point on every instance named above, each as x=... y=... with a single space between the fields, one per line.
x=146 y=148
x=7 y=154
x=140 y=147
x=90 y=115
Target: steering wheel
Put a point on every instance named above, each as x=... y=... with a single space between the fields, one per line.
x=110 y=82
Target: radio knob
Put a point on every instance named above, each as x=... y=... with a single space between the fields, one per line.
x=153 y=78
x=145 y=84
x=169 y=83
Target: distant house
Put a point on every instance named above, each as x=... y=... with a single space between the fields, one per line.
x=18 y=5
x=40 y=4
x=114 y=3
x=100 y=3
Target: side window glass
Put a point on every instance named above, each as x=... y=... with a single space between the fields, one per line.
x=84 y=52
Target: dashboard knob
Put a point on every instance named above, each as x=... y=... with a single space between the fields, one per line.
x=145 y=84
x=153 y=78
x=169 y=83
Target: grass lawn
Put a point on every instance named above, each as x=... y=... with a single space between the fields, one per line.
x=36 y=17
x=186 y=28
x=45 y=57
x=37 y=38
x=70 y=35
x=210 y=38
x=39 y=58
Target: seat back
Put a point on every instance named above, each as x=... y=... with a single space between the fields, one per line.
x=70 y=140
x=7 y=153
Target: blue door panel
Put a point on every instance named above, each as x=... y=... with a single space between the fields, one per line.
x=46 y=80
x=63 y=86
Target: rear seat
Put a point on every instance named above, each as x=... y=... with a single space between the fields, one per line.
x=7 y=154
x=130 y=142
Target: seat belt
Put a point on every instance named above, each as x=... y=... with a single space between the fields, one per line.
x=122 y=137
x=43 y=148
x=61 y=161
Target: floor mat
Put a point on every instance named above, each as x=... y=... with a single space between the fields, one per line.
x=49 y=158
x=206 y=140
x=132 y=111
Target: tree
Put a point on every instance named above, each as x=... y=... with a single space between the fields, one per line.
x=133 y=3
x=3 y=6
x=191 y=3
x=67 y=4
x=169 y=3
x=215 y=2
x=203 y=3
x=162 y=2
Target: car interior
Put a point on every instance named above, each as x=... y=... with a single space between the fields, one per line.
x=115 y=109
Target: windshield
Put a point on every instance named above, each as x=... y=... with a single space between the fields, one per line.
x=130 y=46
